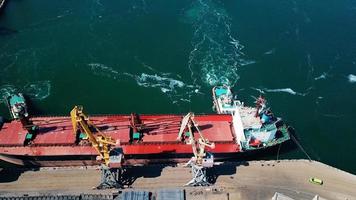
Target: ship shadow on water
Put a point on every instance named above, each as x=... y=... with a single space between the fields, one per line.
x=33 y=109
x=4 y=31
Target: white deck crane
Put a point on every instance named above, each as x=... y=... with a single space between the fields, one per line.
x=201 y=160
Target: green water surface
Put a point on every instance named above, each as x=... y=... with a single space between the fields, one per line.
x=164 y=56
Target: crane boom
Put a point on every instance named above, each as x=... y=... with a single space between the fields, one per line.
x=82 y=124
x=201 y=159
x=198 y=146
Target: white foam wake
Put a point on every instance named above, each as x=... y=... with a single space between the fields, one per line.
x=103 y=70
x=175 y=89
x=216 y=54
x=164 y=83
x=322 y=76
x=352 y=78
x=38 y=90
x=282 y=90
x=286 y=90
x=171 y=86
x=269 y=52
x=35 y=90
x=6 y=90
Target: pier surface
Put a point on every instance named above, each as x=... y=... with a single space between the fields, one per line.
x=250 y=180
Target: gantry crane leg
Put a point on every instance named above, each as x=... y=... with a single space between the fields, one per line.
x=109 y=156
x=199 y=176
x=201 y=159
x=110 y=178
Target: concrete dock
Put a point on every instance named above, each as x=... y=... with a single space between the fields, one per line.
x=250 y=180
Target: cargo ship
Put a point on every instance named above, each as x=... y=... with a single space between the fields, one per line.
x=81 y=140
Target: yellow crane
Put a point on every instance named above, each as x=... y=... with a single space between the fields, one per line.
x=110 y=177
x=101 y=143
x=111 y=166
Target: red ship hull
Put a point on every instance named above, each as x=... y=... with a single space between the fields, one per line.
x=54 y=144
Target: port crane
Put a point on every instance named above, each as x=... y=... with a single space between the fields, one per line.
x=109 y=157
x=201 y=160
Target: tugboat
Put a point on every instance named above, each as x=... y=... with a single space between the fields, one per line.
x=256 y=127
x=17 y=106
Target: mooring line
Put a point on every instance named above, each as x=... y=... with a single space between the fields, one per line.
x=300 y=146
x=279 y=148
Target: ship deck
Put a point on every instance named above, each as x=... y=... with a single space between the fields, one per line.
x=55 y=135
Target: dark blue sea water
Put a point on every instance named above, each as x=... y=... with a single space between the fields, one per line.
x=164 y=56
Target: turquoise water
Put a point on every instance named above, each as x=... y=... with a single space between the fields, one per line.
x=164 y=57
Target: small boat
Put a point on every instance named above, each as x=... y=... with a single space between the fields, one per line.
x=223 y=99
x=17 y=106
x=256 y=127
